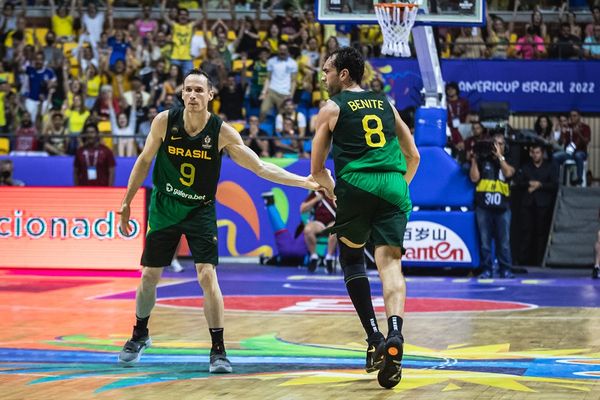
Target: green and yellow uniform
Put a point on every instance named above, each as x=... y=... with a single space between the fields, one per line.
x=373 y=197
x=185 y=178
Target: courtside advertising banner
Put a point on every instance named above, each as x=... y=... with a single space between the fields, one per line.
x=69 y=228
x=437 y=238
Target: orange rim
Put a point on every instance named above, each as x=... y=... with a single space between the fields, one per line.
x=396 y=5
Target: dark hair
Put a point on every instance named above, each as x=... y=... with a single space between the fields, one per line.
x=350 y=59
x=453 y=85
x=185 y=10
x=91 y=125
x=565 y=25
x=530 y=30
x=536 y=145
x=538 y=126
x=197 y=71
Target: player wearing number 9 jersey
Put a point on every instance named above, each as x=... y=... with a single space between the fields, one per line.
x=188 y=143
x=375 y=159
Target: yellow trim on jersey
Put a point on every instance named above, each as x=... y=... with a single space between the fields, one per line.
x=493 y=186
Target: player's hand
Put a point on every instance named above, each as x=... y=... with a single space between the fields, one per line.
x=124 y=219
x=311 y=184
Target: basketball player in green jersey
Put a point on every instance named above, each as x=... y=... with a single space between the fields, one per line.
x=375 y=159
x=188 y=143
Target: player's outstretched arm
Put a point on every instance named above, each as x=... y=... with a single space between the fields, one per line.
x=326 y=120
x=408 y=147
x=142 y=166
x=230 y=140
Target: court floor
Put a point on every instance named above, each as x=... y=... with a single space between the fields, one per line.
x=291 y=335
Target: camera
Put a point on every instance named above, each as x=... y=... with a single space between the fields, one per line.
x=484 y=149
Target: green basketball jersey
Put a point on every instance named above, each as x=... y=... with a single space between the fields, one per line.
x=364 y=137
x=187 y=168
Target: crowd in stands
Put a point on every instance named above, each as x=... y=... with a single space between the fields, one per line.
x=87 y=64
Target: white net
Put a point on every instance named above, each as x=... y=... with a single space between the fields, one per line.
x=396 y=21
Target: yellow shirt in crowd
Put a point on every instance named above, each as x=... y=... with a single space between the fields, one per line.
x=93 y=86
x=76 y=120
x=62 y=26
x=182 y=39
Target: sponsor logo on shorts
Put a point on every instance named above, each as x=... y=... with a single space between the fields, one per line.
x=188 y=196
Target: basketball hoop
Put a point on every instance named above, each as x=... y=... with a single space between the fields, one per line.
x=396 y=21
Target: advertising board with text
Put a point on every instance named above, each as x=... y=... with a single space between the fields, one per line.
x=76 y=227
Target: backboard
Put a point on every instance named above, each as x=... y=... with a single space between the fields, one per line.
x=432 y=12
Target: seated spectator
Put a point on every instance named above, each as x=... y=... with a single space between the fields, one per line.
x=290 y=142
x=589 y=28
x=591 y=47
x=6 y=174
x=530 y=46
x=288 y=110
x=322 y=211
x=55 y=135
x=565 y=45
x=543 y=128
x=575 y=139
x=469 y=44
x=252 y=137
x=94 y=163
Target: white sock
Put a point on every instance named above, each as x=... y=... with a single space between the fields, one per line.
x=330 y=257
x=314 y=256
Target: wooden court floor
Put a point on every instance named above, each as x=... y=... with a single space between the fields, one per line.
x=291 y=335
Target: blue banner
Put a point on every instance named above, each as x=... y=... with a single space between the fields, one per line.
x=528 y=86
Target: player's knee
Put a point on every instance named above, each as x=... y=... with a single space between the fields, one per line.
x=351 y=255
x=206 y=274
x=352 y=261
x=151 y=276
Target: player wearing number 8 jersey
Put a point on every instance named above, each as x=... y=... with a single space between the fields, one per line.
x=375 y=159
x=188 y=143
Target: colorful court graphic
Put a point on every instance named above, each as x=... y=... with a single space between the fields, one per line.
x=290 y=332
